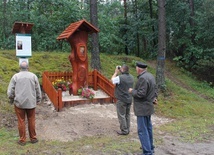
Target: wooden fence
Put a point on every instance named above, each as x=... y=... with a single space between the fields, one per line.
x=95 y=80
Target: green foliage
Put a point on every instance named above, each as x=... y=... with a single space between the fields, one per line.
x=51 y=21
x=189 y=102
x=138 y=32
x=49 y=17
x=114 y=60
x=192 y=44
x=109 y=39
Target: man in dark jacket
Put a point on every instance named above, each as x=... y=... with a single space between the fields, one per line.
x=123 y=82
x=145 y=95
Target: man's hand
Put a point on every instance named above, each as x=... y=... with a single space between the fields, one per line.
x=155 y=101
x=117 y=71
x=11 y=100
x=130 y=90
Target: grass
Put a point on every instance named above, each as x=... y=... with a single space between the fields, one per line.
x=184 y=102
x=87 y=145
x=193 y=113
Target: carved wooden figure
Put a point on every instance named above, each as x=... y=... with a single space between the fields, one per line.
x=79 y=60
x=77 y=35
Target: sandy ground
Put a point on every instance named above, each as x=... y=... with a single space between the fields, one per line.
x=95 y=119
x=83 y=120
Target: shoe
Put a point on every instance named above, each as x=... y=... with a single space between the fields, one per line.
x=121 y=133
x=153 y=151
x=21 y=143
x=34 y=141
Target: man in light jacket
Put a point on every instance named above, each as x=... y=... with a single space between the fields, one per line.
x=25 y=93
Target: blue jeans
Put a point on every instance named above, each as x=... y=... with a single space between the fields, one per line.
x=144 y=125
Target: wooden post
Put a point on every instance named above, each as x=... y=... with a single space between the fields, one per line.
x=95 y=79
x=60 y=104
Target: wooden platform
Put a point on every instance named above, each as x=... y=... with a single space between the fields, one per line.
x=95 y=80
x=70 y=100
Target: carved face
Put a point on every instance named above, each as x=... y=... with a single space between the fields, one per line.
x=82 y=50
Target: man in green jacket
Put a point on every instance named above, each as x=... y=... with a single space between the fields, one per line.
x=145 y=95
x=24 y=91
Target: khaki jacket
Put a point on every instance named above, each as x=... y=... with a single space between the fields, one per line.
x=24 y=89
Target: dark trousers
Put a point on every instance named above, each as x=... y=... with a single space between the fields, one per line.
x=20 y=113
x=123 y=114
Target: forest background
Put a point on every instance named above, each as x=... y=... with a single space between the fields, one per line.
x=128 y=27
x=127 y=32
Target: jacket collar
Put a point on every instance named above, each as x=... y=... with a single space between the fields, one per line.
x=141 y=74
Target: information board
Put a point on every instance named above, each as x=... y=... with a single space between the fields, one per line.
x=23 y=45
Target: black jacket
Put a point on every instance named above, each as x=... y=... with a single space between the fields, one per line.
x=121 y=90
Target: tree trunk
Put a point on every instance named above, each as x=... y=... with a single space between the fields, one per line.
x=191 y=6
x=125 y=16
x=192 y=24
x=151 y=16
x=137 y=29
x=160 y=78
x=4 y=18
x=95 y=54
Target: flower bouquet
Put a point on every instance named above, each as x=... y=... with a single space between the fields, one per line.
x=63 y=84
x=86 y=93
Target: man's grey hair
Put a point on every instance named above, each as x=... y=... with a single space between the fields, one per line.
x=24 y=65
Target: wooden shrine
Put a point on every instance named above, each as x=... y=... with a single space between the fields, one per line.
x=77 y=35
x=22 y=27
x=22 y=31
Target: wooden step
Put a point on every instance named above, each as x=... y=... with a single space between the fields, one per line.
x=72 y=100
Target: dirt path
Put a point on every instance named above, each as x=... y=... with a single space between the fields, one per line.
x=172 y=146
x=82 y=120
x=96 y=119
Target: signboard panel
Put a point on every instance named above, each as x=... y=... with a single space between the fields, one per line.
x=23 y=45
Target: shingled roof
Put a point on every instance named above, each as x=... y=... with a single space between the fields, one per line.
x=81 y=25
x=20 y=26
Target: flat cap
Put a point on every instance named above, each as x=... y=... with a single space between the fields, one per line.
x=141 y=65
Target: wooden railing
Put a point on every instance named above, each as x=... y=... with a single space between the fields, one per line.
x=54 y=95
x=103 y=83
x=95 y=80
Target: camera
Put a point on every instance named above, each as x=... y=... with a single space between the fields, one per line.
x=118 y=67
